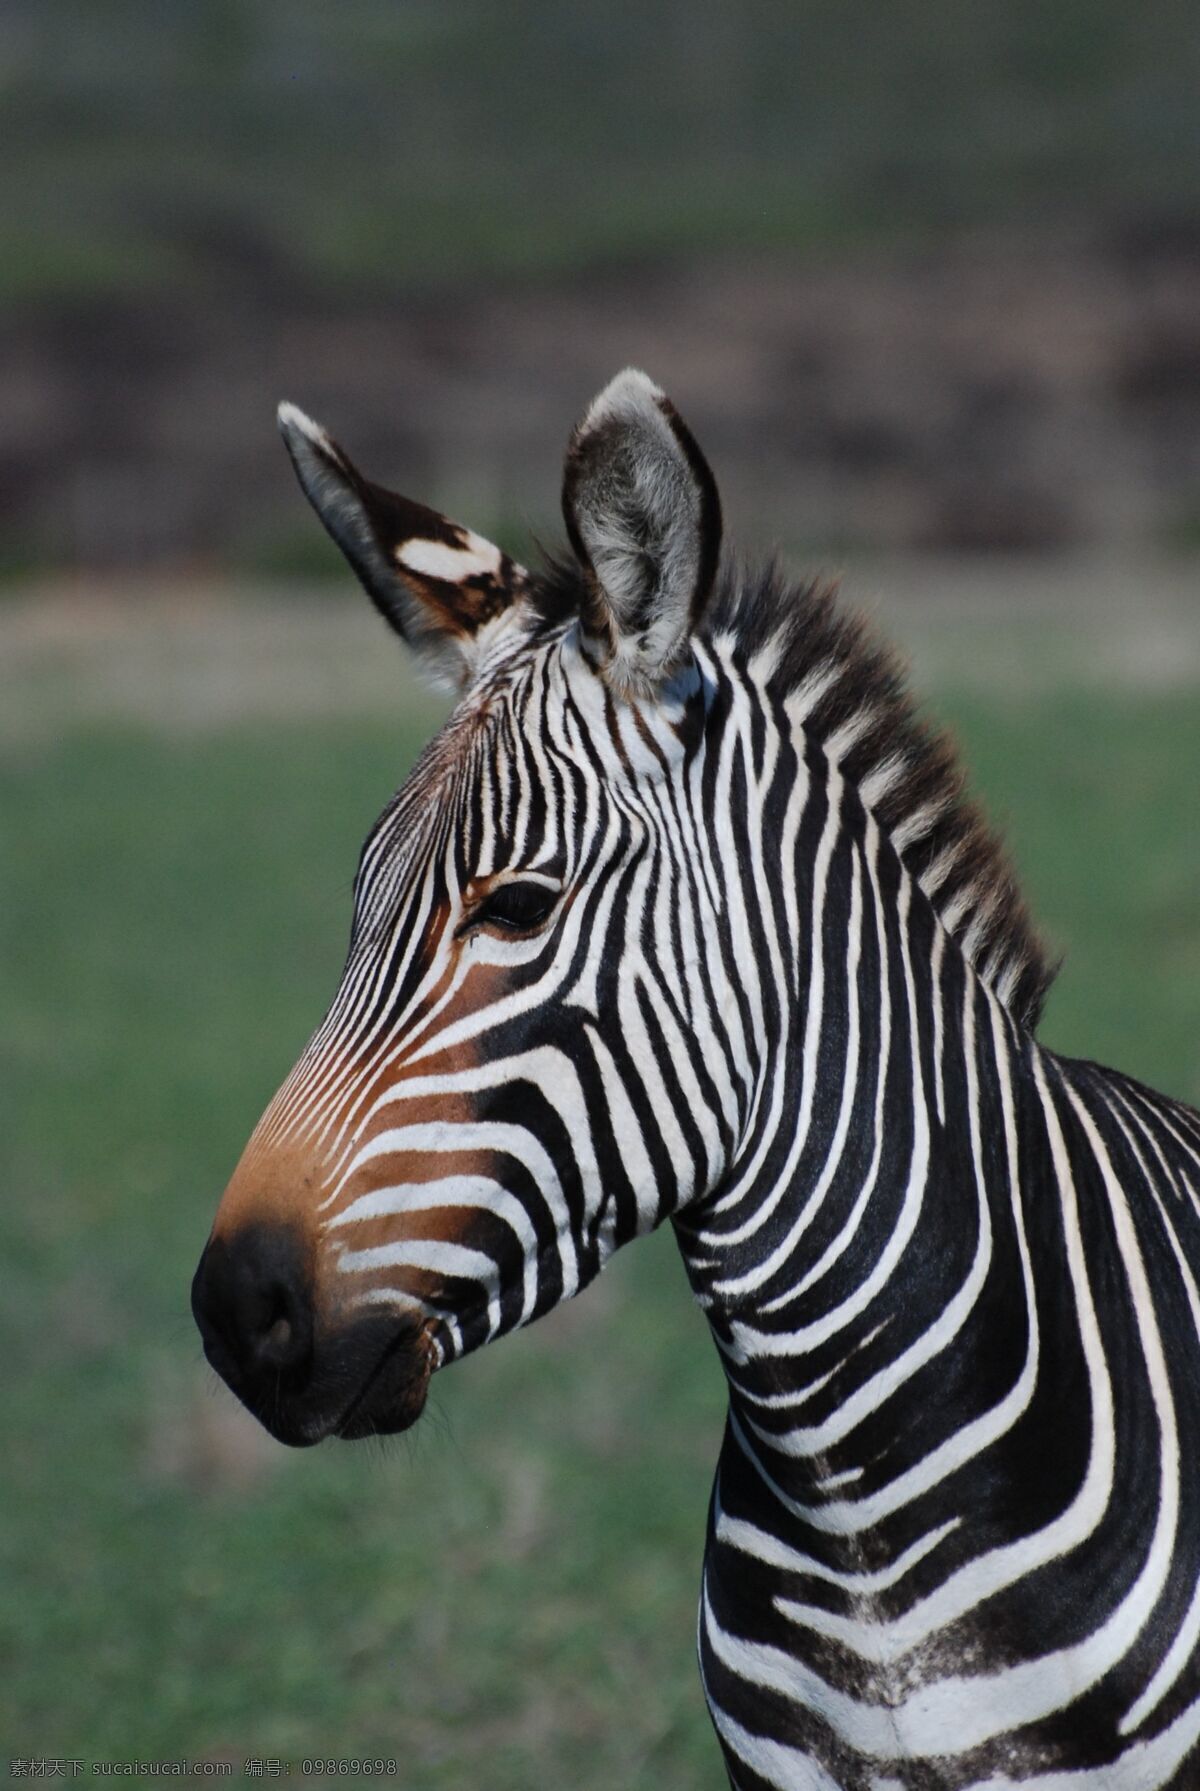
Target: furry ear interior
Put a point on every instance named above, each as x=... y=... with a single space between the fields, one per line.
x=436 y=583
x=643 y=515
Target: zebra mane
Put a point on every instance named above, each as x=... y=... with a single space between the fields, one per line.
x=849 y=692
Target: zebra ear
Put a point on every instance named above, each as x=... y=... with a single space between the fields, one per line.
x=436 y=583
x=644 y=519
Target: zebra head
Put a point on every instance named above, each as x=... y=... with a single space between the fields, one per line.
x=511 y=1080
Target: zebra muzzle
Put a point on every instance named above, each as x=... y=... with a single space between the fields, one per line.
x=252 y=1299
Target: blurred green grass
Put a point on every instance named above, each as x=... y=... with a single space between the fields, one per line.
x=507 y=1597
x=390 y=144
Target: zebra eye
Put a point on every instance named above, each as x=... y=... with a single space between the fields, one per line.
x=517 y=907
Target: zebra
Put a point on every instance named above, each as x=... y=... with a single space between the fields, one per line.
x=685 y=914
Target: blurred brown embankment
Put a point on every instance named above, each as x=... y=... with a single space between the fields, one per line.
x=1000 y=394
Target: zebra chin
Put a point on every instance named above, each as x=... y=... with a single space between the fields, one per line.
x=305 y=1374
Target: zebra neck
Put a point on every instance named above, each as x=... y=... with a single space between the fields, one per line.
x=843 y=1277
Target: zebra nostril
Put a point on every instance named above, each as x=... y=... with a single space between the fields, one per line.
x=281 y=1336
x=251 y=1301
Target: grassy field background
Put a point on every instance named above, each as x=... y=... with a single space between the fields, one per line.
x=505 y=1598
x=376 y=144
